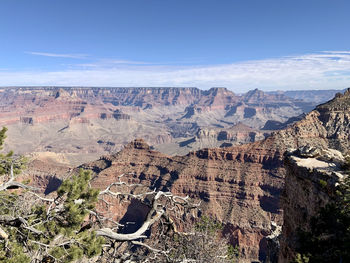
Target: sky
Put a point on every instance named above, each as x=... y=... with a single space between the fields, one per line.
x=241 y=45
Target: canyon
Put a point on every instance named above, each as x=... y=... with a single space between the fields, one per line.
x=88 y=122
x=240 y=185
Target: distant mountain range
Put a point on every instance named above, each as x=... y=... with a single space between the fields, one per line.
x=91 y=121
x=313 y=96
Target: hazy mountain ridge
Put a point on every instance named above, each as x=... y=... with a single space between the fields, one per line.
x=101 y=120
x=314 y=96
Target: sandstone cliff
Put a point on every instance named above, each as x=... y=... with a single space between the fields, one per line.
x=102 y=120
x=314 y=169
x=241 y=185
x=238 y=186
x=310 y=181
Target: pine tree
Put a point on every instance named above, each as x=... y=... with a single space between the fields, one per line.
x=49 y=231
x=66 y=227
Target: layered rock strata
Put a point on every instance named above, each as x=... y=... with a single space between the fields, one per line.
x=241 y=185
x=238 y=186
x=312 y=174
x=168 y=118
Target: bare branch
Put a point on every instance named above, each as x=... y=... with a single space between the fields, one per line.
x=3 y=234
x=42 y=198
x=107 y=232
x=154 y=250
x=155 y=213
x=12 y=183
x=10 y=220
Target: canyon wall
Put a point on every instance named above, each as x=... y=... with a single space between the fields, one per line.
x=239 y=185
x=313 y=171
x=242 y=185
x=310 y=183
x=97 y=120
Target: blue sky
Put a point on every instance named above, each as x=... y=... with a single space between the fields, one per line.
x=266 y=44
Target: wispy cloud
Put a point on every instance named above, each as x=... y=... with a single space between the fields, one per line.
x=108 y=63
x=56 y=55
x=337 y=52
x=120 y=61
x=323 y=70
x=95 y=62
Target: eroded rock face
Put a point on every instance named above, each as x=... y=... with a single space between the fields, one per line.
x=325 y=127
x=314 y=168
x=335 y=117
x=167 y=118
x=241 y=185
x=309 y=185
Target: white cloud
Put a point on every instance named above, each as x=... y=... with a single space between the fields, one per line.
x=108 y=63
x=324 y=70
x=120 y=61
x=55 y=55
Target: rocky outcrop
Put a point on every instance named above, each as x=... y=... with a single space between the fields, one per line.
x=190 y=111
x=214 y=137
x=117 y=115
x=314 y=169
x=277 y=125
x=335 y=117
x=241 y=185
x=326 y=127
x=312 y=174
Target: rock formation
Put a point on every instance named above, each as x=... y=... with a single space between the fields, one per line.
x=241 y=185
x=312 y=174
x=102 y=120
x=314 y=169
